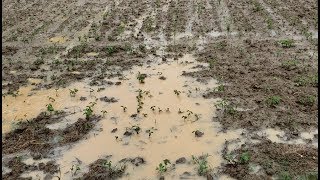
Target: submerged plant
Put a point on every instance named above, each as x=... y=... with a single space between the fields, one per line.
x=104 y=112
x=124 y=108
x=177 y=92
x=73 y=92
x=202 y=163
x=163 y=167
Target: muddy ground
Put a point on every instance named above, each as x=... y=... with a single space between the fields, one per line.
x=263 y=53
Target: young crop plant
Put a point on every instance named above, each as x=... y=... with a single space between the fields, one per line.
x=244 y=158
x=273 y=101
x=88 y=112
x=50 y=108
x=203 y=167
x=110 y=50
x=163 y=167
x=290 y=64
x=220 y=88
x=73 y=92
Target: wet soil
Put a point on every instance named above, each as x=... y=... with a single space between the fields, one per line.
x=256 y=72
x=276 y=160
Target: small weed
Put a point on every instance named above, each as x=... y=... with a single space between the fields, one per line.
x=212 y=63
x=309 y=176
x=244 y=158
x=284 y=176
x=257 y=7
x=88 y=112
x=290 y=64
x=307 y=100
x=270 y=23
x=153 y=108
x=273 y=101
x=287 y=43
x=110 y=50
x=220 y=88
x=202 y=162
x=163 y=166
x=307 y=80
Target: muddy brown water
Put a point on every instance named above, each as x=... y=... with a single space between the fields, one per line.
x=172 y=136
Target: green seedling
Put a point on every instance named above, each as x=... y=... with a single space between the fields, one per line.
x=153 y=108
x=307 y=100
x=273 y=101
x=88 y=112
x=177 y=92
x=270 y=23
x=124 y=108
x=50 y=107
x=202 y=163
x=184 y=117
x=73 y=92
x=286 y=43
x=257 y=7
x=145 y=115
x=220 y=88
x=284 y=176
x=290 y=64
x=221 y=104
x=212 y=63
x=110 y=50
x=141 y=77
x=107 y=164
x=244 y=158
x=167 y=110
x=163 y=167
x=160 y=110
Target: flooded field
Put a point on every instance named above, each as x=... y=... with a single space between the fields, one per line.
x=160 y=89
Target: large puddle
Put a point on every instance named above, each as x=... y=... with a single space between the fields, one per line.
x=172 y=108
